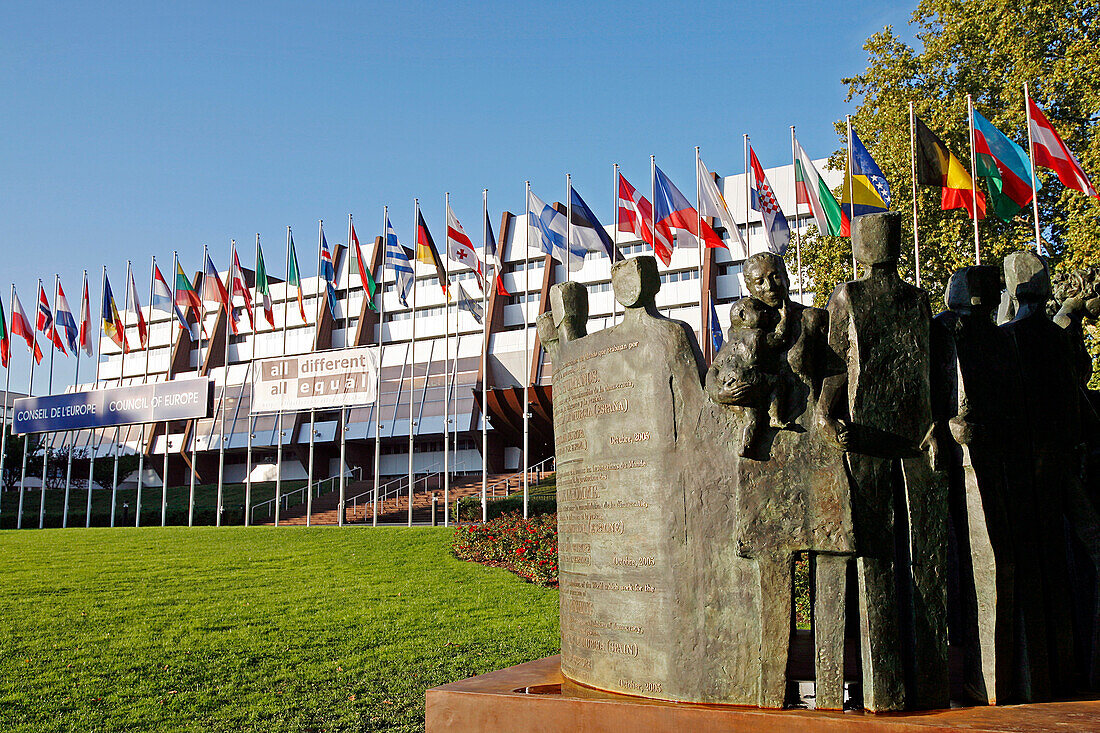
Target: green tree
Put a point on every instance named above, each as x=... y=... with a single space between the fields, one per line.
x=986 y=48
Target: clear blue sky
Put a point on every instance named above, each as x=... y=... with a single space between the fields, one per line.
x=132 y=129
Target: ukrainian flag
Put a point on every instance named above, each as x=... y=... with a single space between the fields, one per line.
x=866 y=190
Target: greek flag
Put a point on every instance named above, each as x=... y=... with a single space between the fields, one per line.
x=548 y=227
x=397 y=260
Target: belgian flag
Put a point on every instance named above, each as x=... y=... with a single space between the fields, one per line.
x=938 y=166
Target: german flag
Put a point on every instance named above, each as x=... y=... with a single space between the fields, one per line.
x=938 y=166
x=426 y=251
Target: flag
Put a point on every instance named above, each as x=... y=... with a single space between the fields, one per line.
x=186 y=295
x=5 y=339
x=459 y=247
x=864 y=181
x=812 y=191
x=65 y=320
x=162 y=297
x=328 y=274
x=397 y=259
x=587 y=231
x=295 y=280
x=263 y=287
x=112 y=324
x=240 y=287
x=365 y=276
x=674 y=210
x=490 y=248
x=86 y=318
x=763 y=200
x=468 y=304
x=715 y=326
x=20 y=326
x=547 y=225
x=712 y=203
x=426 y=251
x=214 y=291
x=636 y=217
x=1005 y=167
x=44 y=322
x=132 y=303
x=1051 y=152
x=938 y=166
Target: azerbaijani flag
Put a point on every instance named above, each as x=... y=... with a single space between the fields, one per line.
x=5 y=339
x=365 y=276
x=811 y=190
x=1005 y=167
x=263 y=287
x=295 y=279
x=112 y=324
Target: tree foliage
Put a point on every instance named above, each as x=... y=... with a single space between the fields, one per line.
x=988 y=49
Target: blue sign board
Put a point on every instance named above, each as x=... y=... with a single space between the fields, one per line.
x=179 y=399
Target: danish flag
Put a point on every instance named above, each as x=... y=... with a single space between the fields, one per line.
x=636 y=217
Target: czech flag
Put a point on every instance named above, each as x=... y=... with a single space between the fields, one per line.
x=673 y=210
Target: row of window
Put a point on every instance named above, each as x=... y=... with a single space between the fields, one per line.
x=430 y=446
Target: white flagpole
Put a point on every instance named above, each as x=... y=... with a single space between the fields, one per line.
x=49 y=390
x=347 y=335
x=167 y=377
x=568 y=224
x=282 y=433
x=447 y=357
x=381 y=288
x=748 y=196
x=225 y=383
x=484 y=357
x=412 y=355
x=27 y=438
x=121 y=381
x=703 y=314
x=312 y=410
x=1031 y=160
x=7 y=390
x=797 y=228
x=614 y=232
x=973 y=177
x=144 y=380
x=851 y=196
x=72 y=435
x=913 y=176
x=527 y=345
x=251 y=420
x=201 y=317
x=98 y=358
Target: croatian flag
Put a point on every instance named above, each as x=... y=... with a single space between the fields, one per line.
x=45 y=320
x=763 y=200
x=676 y=212
x=86 y=319
x=548 y=226
x=20 y=326
x=397 y=260
x=636 y=217
x=65 y=319
x=459 y=247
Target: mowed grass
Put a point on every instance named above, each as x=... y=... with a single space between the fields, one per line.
x=250 y=629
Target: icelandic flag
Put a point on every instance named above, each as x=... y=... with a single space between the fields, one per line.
x=489 y=246
x=715 y=326
x=86 y=319
x=20 y=326
x=45 y=320
x=549 y=227
x=673 y=209
x=763 y=200
x=397 y=260
x=586 y=230
x=65 y=320
x=162 y=297
x=328 y=273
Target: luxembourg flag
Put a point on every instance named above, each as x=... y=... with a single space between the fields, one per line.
x=763 y=200
x=20 y=326
x=65 y=319
x=162 y=297
x=45 y=321
x=86 y=319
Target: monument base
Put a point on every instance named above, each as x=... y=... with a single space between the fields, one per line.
x=534 y=697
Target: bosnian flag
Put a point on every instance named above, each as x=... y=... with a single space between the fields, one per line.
x=674 y=210
x=132 y=303
x=65 y=320
x=459 y=247
x=1051 y=152
x=162 y=297
x=489 y=247
x=636 y=217
x=20 y=326
x=548 y=226
x=712 y=203
x=45 y=320
x=241 y=288
x=86 y=319
x=763 y=200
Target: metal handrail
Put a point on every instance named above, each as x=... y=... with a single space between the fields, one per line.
x=507 y=481
x=285 y=498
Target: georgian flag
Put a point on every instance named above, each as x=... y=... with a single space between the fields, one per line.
x=764 y=201
x=460 y=249
x=636 y=217
x=1051 y=152
x=86 y=318
x=20 y=326
x=45 y=321
x=65 y=320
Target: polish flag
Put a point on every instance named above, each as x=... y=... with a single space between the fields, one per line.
x=20 y=326
x=636 y=217
x=1051 y=152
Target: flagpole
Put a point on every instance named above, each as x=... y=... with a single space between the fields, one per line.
x=7 y=390
x=447 y=358
x=913 y=176
x=412 y=354
x=381 y=286
x=703 y=315
x=615 y=231
x=1031 y=161
x=49 y=391
x=71 y=435
x=313 y=410
x=98 y=359
x=228 y=307
x=568 y=223
x=121 y=380
x=343 y=409
x=851 y=196
x=748 y=196
x=973 y=177
x=527 y=345
x=144 y=380
x=167 y=377
x=27 y=438
x=484 y=359
x=201 y=317
x=282 y=433
x=797 y=227
x=251 y=420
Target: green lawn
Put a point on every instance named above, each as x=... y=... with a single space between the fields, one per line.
x=258 y=629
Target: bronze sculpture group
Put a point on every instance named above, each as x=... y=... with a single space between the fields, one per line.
x=933 y=468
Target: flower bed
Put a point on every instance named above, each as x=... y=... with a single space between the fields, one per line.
x=527 y=547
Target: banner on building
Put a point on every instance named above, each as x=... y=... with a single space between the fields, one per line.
x=178 y=399
x=339 y=378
